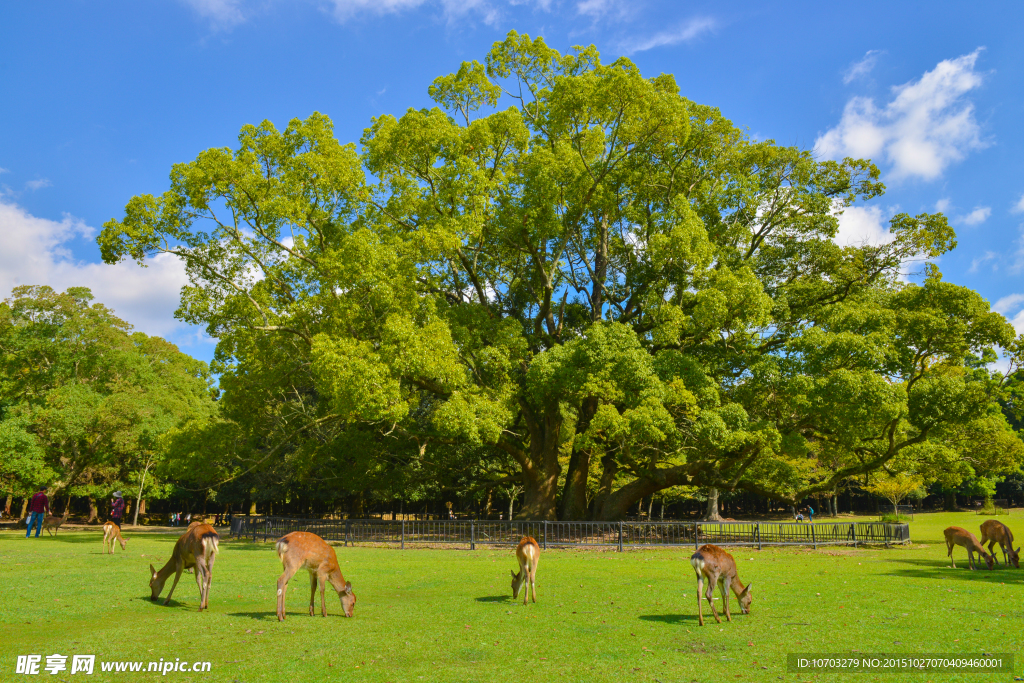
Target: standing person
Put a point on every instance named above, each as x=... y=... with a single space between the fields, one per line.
x=37 y=509
x=810 y=514
x=117 y=508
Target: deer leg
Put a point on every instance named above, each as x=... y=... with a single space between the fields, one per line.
x=323 y=595
x=533 y=584
x=177 y=575
x=700 y=604
x=312 y=594
x=200 y=574
x=209 y=581
x=724 y=587
x=282 y=589
x=710 y=594
x=949 y=551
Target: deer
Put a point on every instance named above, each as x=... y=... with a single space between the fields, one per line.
x=197 y=548
x=303 y=550
x=112 y=533
x=956 y=536
x=528 y=554
x=993 y=531
x=54 y=522
x=718 y=567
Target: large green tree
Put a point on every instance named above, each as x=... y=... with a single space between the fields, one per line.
x=603 y=283
x=86 y=400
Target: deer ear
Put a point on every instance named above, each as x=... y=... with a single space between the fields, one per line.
x=749 y=586
x=348 y=587
x=152 y=571
x=512 y=573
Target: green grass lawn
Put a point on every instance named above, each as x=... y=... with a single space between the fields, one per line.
x=447 y=615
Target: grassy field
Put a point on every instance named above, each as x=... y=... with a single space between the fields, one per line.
x=447 y=615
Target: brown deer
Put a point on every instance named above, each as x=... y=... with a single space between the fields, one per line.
x=956 y=536
x=197 y=548
x=993 y=531
x=112 y=533
x=54 y=522
x=719 y=568
x=528 y=554
x=303 y=550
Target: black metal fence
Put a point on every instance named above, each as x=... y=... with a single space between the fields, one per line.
x=575 y=534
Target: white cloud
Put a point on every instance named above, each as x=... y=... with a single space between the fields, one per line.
x=33 y=252
x=5 y=170
x=942 y=205
x=1008 y=303
x=488 y=11
x=928 y=125
x=863 y=67
x=978 y=216
x=862 y=225
x=600 y=9
x=688 y=31
x=222 y=14
x=982 y=260
x=1019 y=206
x=38 y=184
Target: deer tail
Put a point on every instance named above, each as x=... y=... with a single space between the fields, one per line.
x=697 y=561
x=211 y=545
x=282 y=547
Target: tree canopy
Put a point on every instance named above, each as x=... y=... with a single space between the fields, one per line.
x=571 y=277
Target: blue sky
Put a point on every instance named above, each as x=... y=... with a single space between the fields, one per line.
x=97 y=100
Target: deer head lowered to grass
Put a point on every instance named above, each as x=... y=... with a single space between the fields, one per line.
x=993 y=531
x=957 y=536
x=112 y=533
x=528 y=554
x=718 y=567
x=303 y=550
x=197 y=548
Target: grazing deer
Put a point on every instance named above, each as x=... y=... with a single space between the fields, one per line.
x=956 y=536
x=303 y=550
x=112 y=533
x=993 y=531
x=528 y=553
x=197 y=548
x=719 y=568
x=54 y=522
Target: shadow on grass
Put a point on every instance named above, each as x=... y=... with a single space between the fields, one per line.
x=268 y=616
x=494 y=598
x=940 y=569
x=671 y=618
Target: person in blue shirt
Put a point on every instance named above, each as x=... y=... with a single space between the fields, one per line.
x=810 y=513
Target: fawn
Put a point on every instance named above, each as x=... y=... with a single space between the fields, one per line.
x=528 y=553
x=957 y=536
x=197 y=548
x=994 y=531
x=54 y=522
x=112 y=533
x=303 y=550
x=718 y=567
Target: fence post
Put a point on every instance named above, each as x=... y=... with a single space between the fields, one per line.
x=620 y=537
x=758 y=529
x=695 y=535
x=472 y=535
x=853 y=533
x=545 y=534
x=403 y=533
x=348 y=525
x=885 y=534
x=814 y=541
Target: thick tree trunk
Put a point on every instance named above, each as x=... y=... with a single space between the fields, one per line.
x=489 y=503
x=94 y=512
x=574 y=493
x=610 y=467
x=541 y=468
x=7 y=506
x=24 y=507
x=949 y=501
x=711 y=514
